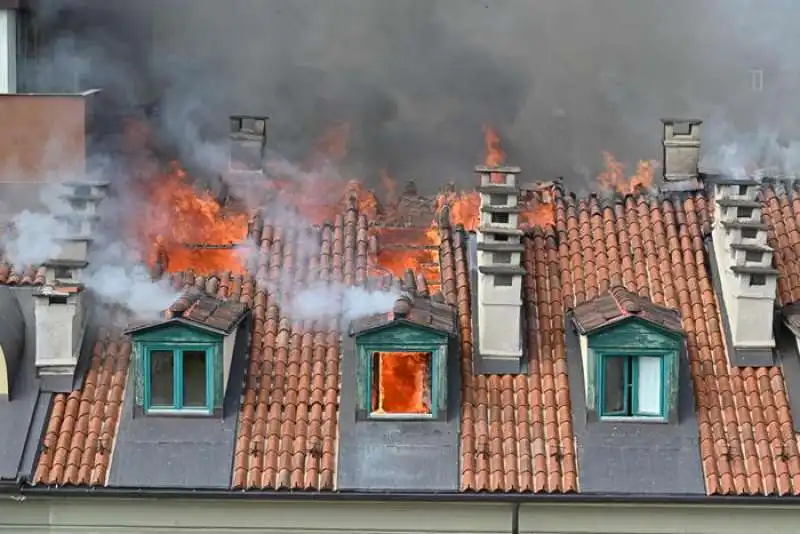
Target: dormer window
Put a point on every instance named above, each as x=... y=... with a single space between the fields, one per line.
x=183 y=361
x=402 y=361
x=744 y=213
x=631 y=353
x=632 y=385
x=179 y=379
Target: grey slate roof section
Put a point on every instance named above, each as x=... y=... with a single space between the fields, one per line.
x=17 y=415
x=786 y=347
x=635 y=458
x=179 y=452
x=397 y=455
x=749 y=357
x=12 y=332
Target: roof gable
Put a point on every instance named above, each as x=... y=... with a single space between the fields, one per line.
x=619 y=305
x=424 y=313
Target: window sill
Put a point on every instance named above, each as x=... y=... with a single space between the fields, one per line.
x=634 y=419
x=400 y=417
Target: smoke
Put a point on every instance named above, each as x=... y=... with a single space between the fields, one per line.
x=562 y=80
x=33 y=238
x=320 y=301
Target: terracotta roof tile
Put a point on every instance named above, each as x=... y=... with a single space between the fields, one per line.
x=78 y=441
x=28 y=276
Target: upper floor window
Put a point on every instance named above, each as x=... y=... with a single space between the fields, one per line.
x=402 y=361
x=631 y=385
x=179 y=378
x=632 y=351
x=183 y=362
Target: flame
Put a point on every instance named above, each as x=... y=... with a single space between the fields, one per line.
x=178 y=215
x=495 y=156
x=401 y=383
x=613 y=177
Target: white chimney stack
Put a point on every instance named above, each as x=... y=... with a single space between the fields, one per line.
x=499 y=271
x=8 y=51
x=60 y=306
x=744 y=268
x=681 y=157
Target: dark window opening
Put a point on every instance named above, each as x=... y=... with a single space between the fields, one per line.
x=501 y=238
x=162 y=377
x=681 y=128
x=503 y=280
x=78 y=204
x=498 y=200
x=194 y=379
x=749 y=233
x=501 y=257
x=753 y=255
x=758 y=279
x=82 y=190
x=63 y=272
x=744 y=213
x=743 y=190
x=401 y=383
x=177 y=380
x=500 y=218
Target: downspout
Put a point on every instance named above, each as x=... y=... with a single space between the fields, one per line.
x=515 y=519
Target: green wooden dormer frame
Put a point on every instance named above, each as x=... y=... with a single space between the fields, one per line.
x=627 y=345
x=631 y=350
x=193 y=346
x=179 y=340
x=416 y=328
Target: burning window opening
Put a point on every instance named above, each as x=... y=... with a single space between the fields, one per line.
x=401 y=383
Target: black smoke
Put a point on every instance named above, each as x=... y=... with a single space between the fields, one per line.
x=561 y=80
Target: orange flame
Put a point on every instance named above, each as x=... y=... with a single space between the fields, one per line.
x=613 y=177
x=401 y=386
x=495 y=156
x=178 y=216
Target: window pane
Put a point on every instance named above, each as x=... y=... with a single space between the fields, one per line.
x=649 y=385
x=161 y=378
x=194 y=379
x=614 y=385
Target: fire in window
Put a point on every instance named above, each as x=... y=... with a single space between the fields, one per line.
x=401 y=383
x=402 y=360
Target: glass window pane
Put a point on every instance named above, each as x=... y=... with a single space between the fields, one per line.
x=649 y=385
x=614 y=380
x=161 y=378
x=194 y=379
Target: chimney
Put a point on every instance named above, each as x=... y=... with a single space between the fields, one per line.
x=499 y=271
x=744 y=268
x=60 y=306
x=8 y=50
x=248 y=139
x=681 y=156
x=79 y=214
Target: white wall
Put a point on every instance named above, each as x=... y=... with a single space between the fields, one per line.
x=35 y=515
x=8 y=51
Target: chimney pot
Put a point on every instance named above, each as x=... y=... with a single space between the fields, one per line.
x=681 y=154
x=402 y=307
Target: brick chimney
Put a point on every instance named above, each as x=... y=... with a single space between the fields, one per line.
x=8 y=50
x=60 y=307
x=681 y=144
x=746 y=276
x=499 y=271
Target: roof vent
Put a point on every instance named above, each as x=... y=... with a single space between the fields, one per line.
x=402 y=307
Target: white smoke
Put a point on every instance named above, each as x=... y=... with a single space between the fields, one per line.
x=32 y=239
x=118 y=278
x=322 y=301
